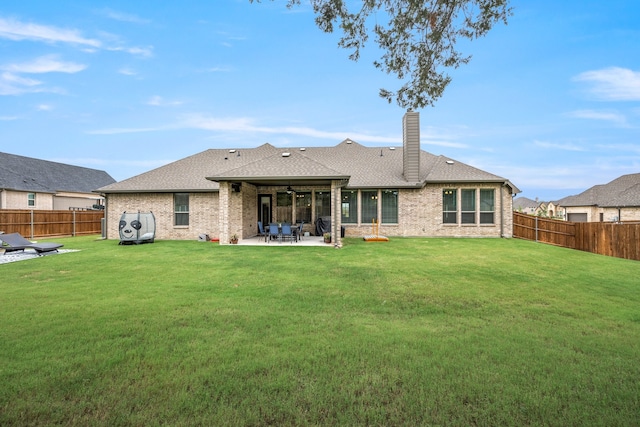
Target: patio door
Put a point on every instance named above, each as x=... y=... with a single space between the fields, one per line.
x=264 y=209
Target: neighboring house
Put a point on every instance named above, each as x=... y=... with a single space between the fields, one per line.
x=533 y=207
x=525 y=205
x=222 y=192
x=549 y=210
x=28 y=183
x=554 y=210
x=618 y=200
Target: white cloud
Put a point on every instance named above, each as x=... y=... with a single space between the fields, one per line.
x=140 y=51
x=616 y=118
x=12 y=84
x=620 y=148
x=613 y=83
x=123 y=17
x=246 y=125
x=556 y=146
x=44 y=64
x=447 y=144
x=16 y=30
x=127 y=72
x=219 y=69
x=158 y=101
x=23 y=81
x=118 y=131
x=44 y=107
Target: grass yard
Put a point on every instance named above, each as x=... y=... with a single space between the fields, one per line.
x=409 y=332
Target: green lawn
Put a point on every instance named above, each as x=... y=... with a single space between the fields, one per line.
x=409 y=332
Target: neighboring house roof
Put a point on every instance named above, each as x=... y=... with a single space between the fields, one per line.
x=41 y=176
x=363 y=167
x=621 y=192
x=524 y=203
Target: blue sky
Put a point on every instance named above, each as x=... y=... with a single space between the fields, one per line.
x=550 y=101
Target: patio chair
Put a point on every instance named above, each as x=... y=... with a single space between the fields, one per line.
x=15 y=242
x=274 y=231
x=261 y=231
x=300 y=232
x=287 y=232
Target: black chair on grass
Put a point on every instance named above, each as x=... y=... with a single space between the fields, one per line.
x=15 y=242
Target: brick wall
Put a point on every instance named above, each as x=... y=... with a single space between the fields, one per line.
x=608 y=214
x=203 y=214
x=420 y=214
x=19 y=200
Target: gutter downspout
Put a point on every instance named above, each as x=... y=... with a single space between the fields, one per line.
x=502 y=210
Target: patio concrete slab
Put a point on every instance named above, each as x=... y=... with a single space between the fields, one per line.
x=306 y=241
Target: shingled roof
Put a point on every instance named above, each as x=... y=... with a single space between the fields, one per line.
x=363 y=167
x=621 y=192
x=41 y=176
x=524 y=203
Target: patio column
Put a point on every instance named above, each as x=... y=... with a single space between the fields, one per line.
x=224 y=201
x=336 y=212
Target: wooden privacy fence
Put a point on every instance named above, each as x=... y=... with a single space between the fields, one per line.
x=621 y=240
x=43 y=223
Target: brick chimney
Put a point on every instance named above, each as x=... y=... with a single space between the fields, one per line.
x=411 y=146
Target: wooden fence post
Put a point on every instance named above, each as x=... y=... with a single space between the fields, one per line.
x=31 y=227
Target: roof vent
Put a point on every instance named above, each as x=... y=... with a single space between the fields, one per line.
x=303 y=149
x=392 y=148
x=232 y=151
x=349 y=141
x=450 y=162
x=286 y=154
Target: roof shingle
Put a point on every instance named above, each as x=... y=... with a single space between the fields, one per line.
x=364 y=167
x=28 y=174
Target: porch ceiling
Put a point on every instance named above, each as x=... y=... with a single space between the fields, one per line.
x=258 y=182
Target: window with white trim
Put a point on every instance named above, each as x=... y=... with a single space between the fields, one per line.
x=349 y=206
x=389 y=205
x=181 y=209
x=487 y=206
x=369 y=206
x=468 y=206
x=449 y=206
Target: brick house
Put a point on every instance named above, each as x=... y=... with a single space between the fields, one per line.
x=28 y=183
x=410 y=192
x=618 y=200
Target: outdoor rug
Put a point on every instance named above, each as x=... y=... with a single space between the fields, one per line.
x=8 y=257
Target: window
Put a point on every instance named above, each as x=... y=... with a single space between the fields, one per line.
x=369 y=206
x=389 y=206
x=303 y=207
x=449 y=206
x=349 y=206
x=31 y=200
x=283 y=207
x=487 y=206
x=181 y=208
x=323 y=203
x=468 y=208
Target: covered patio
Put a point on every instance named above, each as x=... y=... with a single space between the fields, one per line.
x=286 y=187
x=305 y=241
